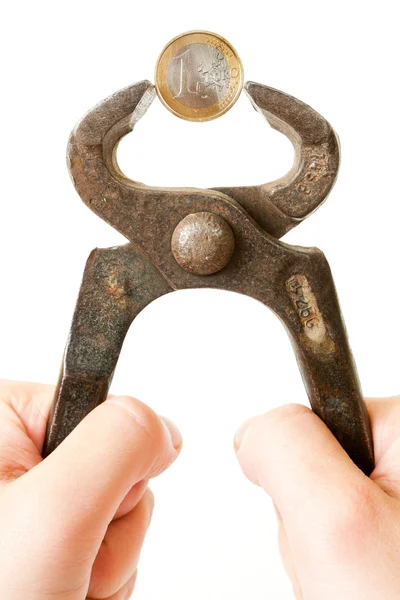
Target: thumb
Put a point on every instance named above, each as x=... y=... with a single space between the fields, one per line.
x=316 y=487
x=85 y=479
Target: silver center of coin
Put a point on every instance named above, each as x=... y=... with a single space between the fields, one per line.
x=198 y=75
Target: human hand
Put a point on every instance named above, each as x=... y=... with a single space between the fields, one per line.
x=72 y=525
x=339 y=531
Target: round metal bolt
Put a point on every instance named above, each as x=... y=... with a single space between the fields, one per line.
x=203 y=243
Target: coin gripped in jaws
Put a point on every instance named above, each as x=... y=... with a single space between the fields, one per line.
x=198 y=76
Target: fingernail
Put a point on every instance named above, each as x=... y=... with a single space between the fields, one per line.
x=175 y=434
x=241 y=432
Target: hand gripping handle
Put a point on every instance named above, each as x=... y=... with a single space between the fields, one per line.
x=316 y=328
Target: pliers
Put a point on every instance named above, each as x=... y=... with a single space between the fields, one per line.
x=226 y=238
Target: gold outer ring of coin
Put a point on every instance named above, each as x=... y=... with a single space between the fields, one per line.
x=235 y=67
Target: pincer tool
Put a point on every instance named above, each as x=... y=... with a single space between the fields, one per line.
x=226 y=238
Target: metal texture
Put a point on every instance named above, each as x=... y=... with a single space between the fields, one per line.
x=117 y=284
x=296 y=283
x=202 y=243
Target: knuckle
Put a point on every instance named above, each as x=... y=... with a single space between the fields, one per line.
x=289 y=413
x=286 y=415
x=141 y=415
x=280 y=420
x=260 y=437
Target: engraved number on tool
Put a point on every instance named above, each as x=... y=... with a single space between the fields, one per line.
x=306 y=306
x=316 y=169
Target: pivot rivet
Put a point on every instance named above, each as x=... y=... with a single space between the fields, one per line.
x=203 y=243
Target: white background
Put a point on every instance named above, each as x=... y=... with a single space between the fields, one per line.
x=207 y=359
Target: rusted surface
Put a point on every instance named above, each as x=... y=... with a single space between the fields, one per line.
x=117 y=284
x=202 y=243
x=296 y=283
x=282 y=204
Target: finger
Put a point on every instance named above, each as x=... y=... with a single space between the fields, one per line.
x=25 y=407
x=132 y=498
x=119 y=554
x=118 y=444
x=385 y=421
x=124 y=593
x=287 y=560
x=31 y=402
x=279 y=448
x=295 y=458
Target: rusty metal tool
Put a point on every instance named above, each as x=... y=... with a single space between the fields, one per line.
x=225 y=238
